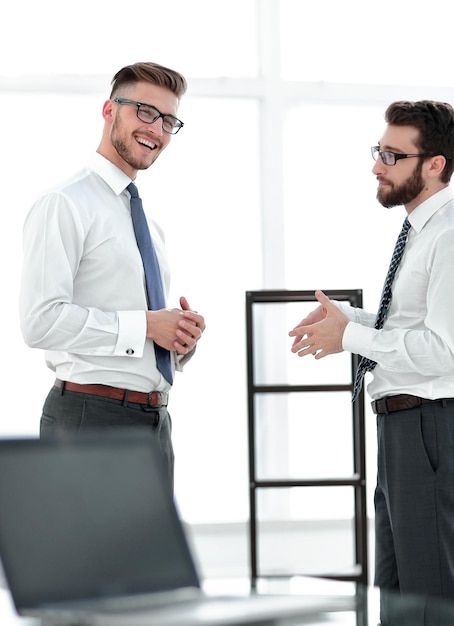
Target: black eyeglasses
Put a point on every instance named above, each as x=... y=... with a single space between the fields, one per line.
x=149 y=114
x=391 y=158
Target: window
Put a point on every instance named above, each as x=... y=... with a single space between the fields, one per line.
x=275 y=192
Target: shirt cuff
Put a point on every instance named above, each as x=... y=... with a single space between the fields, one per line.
x=132 y=332
x=358 y=339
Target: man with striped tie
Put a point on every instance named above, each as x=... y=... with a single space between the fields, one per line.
x=408 y=346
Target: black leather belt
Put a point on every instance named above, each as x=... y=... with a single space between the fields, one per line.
x=153 y=398
x=400 y=403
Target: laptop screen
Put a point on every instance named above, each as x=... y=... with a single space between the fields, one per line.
x=88 y=517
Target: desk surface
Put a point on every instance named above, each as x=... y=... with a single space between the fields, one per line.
x=9 y=617
x=411 y=613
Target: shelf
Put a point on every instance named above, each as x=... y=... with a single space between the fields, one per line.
x=358 y=572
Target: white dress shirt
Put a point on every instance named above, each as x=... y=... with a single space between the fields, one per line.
x=83 y=296
x=415 y=349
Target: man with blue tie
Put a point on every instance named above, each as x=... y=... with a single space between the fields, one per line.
x=408 y=346
x=95 y=275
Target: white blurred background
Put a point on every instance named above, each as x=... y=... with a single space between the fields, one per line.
x=268 y=186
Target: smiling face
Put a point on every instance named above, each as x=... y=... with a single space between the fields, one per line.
x=128 y=142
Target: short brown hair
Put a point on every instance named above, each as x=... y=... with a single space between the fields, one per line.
x=151 y=73
x=435 y=122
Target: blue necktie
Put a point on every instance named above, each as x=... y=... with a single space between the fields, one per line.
x=155 y=291
x=367 y=365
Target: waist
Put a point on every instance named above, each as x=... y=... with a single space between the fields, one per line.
x=152 y=398
x=390 y=404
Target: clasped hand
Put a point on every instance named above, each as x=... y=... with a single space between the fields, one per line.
x=321 y=332
x=175 y=329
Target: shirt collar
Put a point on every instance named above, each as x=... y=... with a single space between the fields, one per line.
x=419 y=217
x=110 y=173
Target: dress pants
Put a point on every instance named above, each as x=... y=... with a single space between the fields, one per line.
x=414 y=502
x=66 y=413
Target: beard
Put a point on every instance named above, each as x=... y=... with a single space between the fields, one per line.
x=404 y=193
x=119 y=142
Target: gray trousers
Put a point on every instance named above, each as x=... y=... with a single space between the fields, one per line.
x=414 y=501
x=67 y=413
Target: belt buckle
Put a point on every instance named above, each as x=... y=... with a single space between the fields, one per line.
x=150 y=399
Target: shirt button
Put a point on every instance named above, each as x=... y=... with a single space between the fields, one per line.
x=129 y=351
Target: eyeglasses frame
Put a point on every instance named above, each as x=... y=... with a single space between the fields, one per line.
x=150 y=106
x=375 y=150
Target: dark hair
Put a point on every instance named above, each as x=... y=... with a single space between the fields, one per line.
x=435 y=122
x=150 y=73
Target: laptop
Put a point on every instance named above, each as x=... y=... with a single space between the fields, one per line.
x=90 y=533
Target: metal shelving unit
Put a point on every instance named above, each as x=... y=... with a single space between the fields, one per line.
x=358 y=573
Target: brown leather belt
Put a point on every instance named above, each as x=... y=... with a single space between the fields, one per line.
x=153 y=398
x=400 y=403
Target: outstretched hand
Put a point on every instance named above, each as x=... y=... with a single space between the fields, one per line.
x=321 y=332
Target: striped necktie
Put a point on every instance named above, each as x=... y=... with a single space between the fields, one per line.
x=367 y=365
x=155 y=291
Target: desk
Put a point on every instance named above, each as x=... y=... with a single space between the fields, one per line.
x=240 y=587
x=410 y=611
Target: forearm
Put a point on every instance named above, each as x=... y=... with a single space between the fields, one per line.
x=402 y=350
x=80 y=330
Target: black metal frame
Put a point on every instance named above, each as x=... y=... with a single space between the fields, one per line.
x=357 y=481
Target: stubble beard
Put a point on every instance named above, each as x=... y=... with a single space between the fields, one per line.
x=118 y=139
